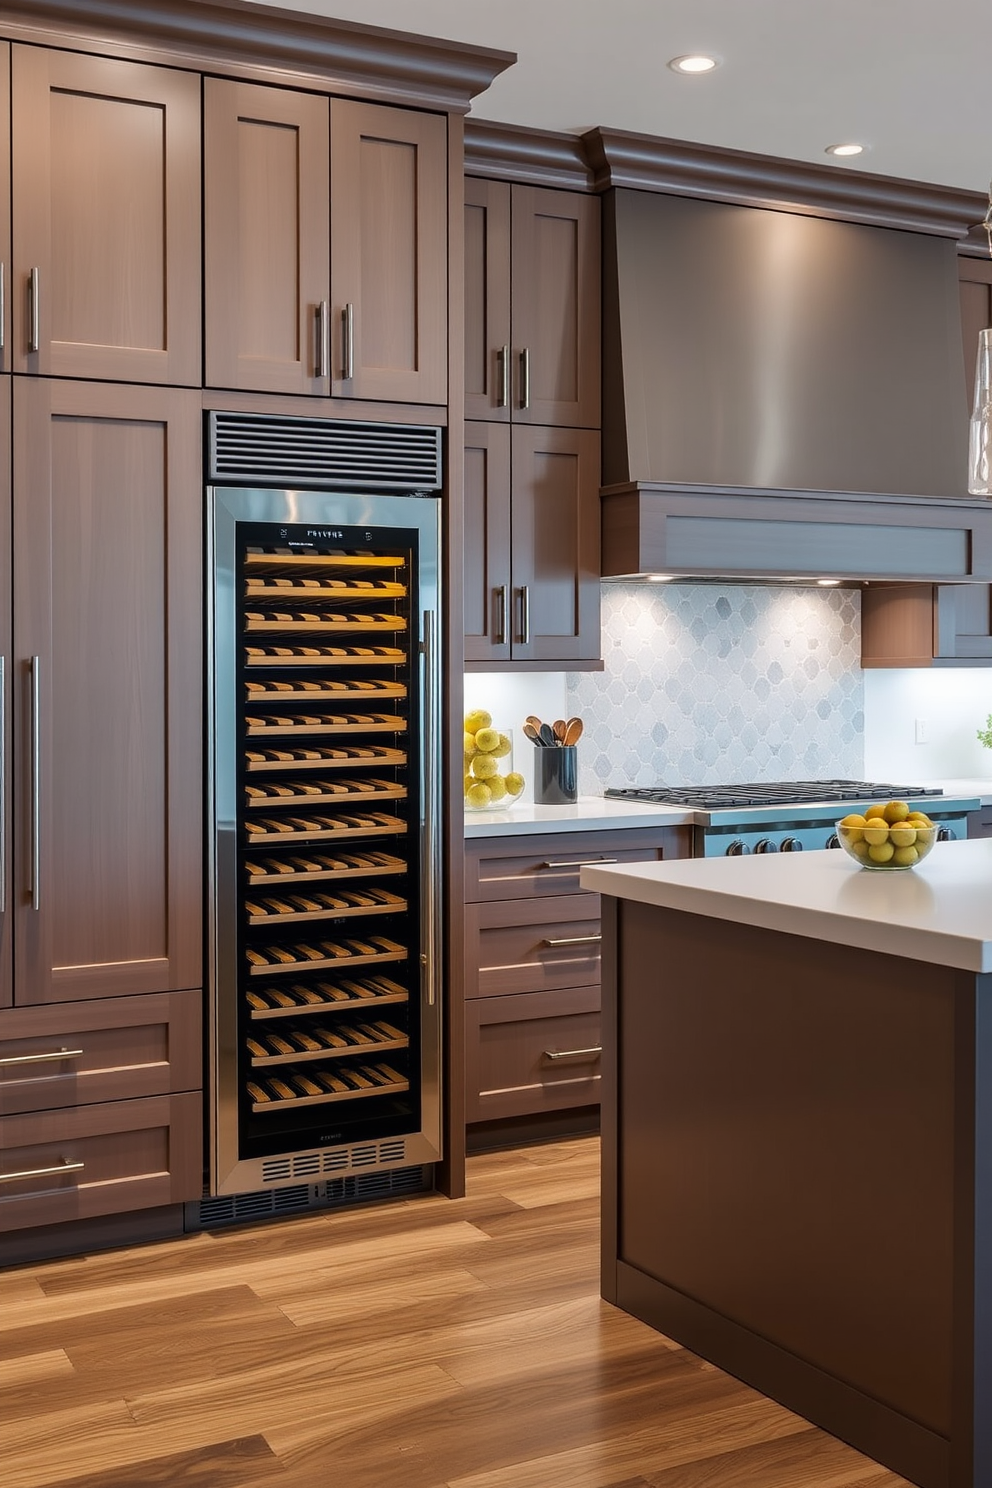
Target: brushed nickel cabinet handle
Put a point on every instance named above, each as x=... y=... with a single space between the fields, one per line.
x=578 y=863
x=3 y=769
x=525 y=377
x=34 y=294
x=503 y=366
x=571 y=940
x=323 y=326
x=3 y=303
x=525 y=614
x=592 y=1053
x=63 y=1167
x=500 y=592
x=36 y=782
x=41 y=1058
x=348 y=336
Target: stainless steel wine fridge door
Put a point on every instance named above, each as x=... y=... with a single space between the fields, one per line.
x=324 y=849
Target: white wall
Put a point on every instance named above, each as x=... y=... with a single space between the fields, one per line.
x=509 y=697
x=952 y=703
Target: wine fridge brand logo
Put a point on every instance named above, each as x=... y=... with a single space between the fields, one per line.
x=337 y=532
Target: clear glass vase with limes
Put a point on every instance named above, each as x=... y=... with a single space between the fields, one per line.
x=491 y=782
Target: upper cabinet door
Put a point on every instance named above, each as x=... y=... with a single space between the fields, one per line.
x=106 y=690
x=975 y=276
x=106 y=213
x=556 y=319
x=5 y=279
x=487 y=300
x=6 y=684
x=389 y=266
x=266 y=238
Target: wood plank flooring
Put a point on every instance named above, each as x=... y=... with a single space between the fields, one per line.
x=416 y=1344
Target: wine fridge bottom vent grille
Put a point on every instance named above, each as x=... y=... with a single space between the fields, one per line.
x=212 y=1213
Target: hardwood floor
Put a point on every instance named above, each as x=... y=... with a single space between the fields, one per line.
x=419 y=1344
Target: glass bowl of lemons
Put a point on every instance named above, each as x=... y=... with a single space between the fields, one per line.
x=887 y=836
x=491 y=783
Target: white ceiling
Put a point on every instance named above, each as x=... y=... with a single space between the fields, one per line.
x=912 y=79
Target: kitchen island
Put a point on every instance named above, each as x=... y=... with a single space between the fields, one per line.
x=797 y=1136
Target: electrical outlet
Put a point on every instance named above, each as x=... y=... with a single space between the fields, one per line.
x=922 y=731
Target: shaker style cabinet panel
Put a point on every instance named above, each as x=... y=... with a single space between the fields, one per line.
x=266 y=238
x=389 y=265
x=532 y=530
x=5 y=271
x=532 y=305
x=106 y=218
x=6 y=683
x=926 y=625
x=106 y=691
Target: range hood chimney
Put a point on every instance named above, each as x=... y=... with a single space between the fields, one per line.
x=784 y=389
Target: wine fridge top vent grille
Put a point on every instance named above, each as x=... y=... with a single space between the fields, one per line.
x=324 y=454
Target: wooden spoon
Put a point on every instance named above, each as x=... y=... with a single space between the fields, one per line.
x=558 y=729
x=573 y=731
x=532 y=733
x=534 y=722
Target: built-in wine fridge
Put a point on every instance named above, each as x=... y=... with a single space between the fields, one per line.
x=324 y=864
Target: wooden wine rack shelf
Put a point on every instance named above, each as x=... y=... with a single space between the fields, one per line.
x=339 y=954
x=264 y=833
x=365 y=993
x=377 y=1080
x=318 y=868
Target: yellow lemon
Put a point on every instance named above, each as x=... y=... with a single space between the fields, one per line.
x=469 y=743
x=881 y=852
x=479 y=795
x=876 y=835
x=502 y=749
x=895 y=811
x=479 y=719
x=514 y=782
x=497 y=789
x=903 y=835
x=860 y=849
x=905 y=855
x=487 y=739
x=484 y=767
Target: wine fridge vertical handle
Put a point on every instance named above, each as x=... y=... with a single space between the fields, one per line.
x=348 y=336
x=3 y=773
x=34 y=320
x=431 y=771
x=322 y=339
x=36 y=782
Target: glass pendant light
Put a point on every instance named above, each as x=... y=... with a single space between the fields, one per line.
x=980 y=429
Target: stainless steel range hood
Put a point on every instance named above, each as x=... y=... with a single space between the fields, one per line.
x=784 y=395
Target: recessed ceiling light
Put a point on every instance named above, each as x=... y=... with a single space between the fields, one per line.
x=851 y=149
x=695 y=62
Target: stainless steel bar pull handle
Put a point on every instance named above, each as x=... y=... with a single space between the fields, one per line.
x=34 y=319
x=570 y=940
x=592 y=1053
x=578 y=863
x=63 y=1167
x=3 y=770
x=3 y=303
x=525 y=614
x=432 y=825
x=500 y=593
x=348 y=336
x=525 y=377
x=36 y=782
x=323 y=327
x=503 y=367
x=51 y=1055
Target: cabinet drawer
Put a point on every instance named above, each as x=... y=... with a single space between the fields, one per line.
x=103 y=1159
x=532 y=946
x=535 y=867
x=980 y=822
x=532 y=1053
x=84 y=1052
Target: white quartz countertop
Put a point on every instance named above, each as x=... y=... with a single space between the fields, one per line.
x=939 y=911
x=588 y=813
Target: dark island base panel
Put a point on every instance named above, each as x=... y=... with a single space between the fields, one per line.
x=797 y=1176
x=84 y=1236
x=881 y=1434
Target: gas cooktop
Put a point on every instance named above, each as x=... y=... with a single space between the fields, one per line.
x=783 y=793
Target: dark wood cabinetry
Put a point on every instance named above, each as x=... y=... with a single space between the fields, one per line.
x=532 y=330
x=5 y=270
x=926 y=625
x=325 y=245
x=532 y=968
x=531 y=546
x=106 y=218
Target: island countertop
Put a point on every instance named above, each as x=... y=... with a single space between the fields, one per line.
x=939 y=911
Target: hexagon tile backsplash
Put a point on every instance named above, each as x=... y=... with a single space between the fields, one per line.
x=708 y=685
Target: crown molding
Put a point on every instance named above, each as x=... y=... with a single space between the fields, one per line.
x=514 y=152
x=682 y=168
x=266 y=38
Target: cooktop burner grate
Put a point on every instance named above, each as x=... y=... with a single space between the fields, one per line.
x=782 y=793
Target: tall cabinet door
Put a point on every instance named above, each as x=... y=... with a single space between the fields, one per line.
x=106 y=212
x=556 y=323
x=266 y=238
x=487 y=299
x=487 y=594
x=555 y=540
x=389 y=266
x=5 y=274
x=107 y=690
x=6 y=680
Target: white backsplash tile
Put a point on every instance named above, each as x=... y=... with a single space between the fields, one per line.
x=709 y=685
